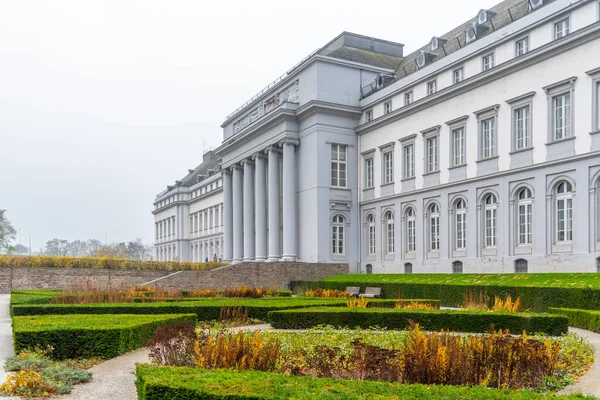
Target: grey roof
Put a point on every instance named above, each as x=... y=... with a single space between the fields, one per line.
x=210 y=165
x=366 y=57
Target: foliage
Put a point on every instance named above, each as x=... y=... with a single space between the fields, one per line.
x=537 y=291
x=133 y=250
x=434 y=320
x=354 y=302
x=173 y=344
x=416 y=305
x=102 y=263
x=238 y=350
x=245 y=291
x=318 y=292
x=84 y=336
x=234 y=315
x=7 y=232
x=475 y=300
x=30 y=384
x=506 y=305
x=180 y=383
x=584 y=319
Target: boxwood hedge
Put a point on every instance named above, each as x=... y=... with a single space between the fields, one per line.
x=181 y=383
x=85 y=336
x=433 y=320
x=584 y=319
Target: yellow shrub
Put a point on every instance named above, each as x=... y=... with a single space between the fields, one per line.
x=326 y=293
x=413 y=305
x=357 y=303
x=29 y=384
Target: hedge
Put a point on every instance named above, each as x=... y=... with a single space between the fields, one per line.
x=85 y=336
x=432 y=320
x=584 y=319
x=182 y=383
x=537 y=291
x=103 y=263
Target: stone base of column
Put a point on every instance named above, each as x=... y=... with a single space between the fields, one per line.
x=248 y=260
x=260 y=259
x=273 y=259
x=236 y=261
x=287 y=258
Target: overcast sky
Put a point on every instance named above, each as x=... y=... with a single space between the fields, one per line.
x=104 y=103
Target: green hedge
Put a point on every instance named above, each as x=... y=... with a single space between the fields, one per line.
x=433 y=320
x=85 y=336
x=584 y=319
x=181 y=383
x=537 y=291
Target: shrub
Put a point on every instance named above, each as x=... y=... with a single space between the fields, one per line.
x=84 y=336
x=157 y=383
x=506 y=305
x=415 y=305
x=584 y=319
x=353 y=302
x=434 y=320
x=30 y=384
x=250 y=292
x=173 y=345
x=318 y=292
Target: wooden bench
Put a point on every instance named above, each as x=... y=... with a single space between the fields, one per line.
x=353 y=291
x=371 y=292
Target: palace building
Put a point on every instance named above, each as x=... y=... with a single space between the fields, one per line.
x=479 y=152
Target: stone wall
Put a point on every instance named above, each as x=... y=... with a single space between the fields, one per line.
x=263 y=275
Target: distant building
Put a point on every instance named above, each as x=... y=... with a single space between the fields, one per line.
x=479 y=152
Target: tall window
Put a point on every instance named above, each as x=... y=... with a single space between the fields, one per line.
x=561 y=110
x=389 y=232
x=487 y=62
x=524 y=217
x=388 y=167
x=522 y=121
x=457 y=267
x=338 y=165
x=411 y=224
x=458 y=147
x=431 y=87
x=409 y=161
x=338 y=235
x=564 y=212
x=561 y=28
x=521 y=266
x=490 y=220
x=488 y=138
x=408 y=98
x=369 y=177
x=408 y=268
x=460 y=211
x=371 y=232
x=521 y=47
x=387 y=107
x=459 y=75
x=434 y=227
x=432 y=154
x=369 y=116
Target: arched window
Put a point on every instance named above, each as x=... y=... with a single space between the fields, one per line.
x=460 y=216
x=490 y=204
x=564 y=212
x=369 y=269
x=524 y=216
x=371 y=234
x=408 y=268
x=389 y=226
x=457 y=267
x=520 y=266
x=411 y=223
x=337 y=235
x=434 y=227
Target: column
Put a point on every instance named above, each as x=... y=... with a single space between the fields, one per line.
x=274 y=206
x=248 y=210
x=260 y=204
x=238 y=220
x=289 y=200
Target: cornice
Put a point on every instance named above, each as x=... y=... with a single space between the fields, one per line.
x=322 y=107
x=433 y=129
x=458 y=120
x=575 y=39
x=564 y=82
x=520 y=98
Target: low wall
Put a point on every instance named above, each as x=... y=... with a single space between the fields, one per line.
x=263 y=275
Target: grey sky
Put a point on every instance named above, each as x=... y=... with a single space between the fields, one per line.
x=104 y=103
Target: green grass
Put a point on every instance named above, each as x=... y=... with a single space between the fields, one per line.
x=584 y=319
x=180 y=383
x=84 y=336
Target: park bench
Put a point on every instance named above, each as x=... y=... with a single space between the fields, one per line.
x=353 y=291
x=371 y=292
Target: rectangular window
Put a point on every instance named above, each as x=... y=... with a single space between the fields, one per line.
x=390 y=237
x=458 y=147
x=369 y=181
x=338 y=165
x=434 y=230
x=461 y=236
x=459 y=75
x=409 y=161
x=388 y=167
x=408 y=98
x=561 y=109
x=488 y=62
x=564 y=220
x=371 y=239
x=521 y=47
x=525 y=213
x=432 y=154
x=369 y=116
x=338 y=239
x=431 y=87
x=411 y=235
x=488 y=138
x=490 y=227
x=561 y=28
x=522 y=121
x=387 y=107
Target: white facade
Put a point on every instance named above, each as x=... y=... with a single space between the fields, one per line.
x=479 y=152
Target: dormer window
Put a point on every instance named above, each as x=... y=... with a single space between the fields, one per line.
x=484 y=16
x=436 y=43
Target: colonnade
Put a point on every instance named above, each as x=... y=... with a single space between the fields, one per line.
x=252 y=220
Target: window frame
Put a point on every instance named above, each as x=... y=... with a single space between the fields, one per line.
x=519 y=266
x=461 y=78
x=387 y=170
x=387 y=107
x=561 y=21
x=484 y=116
x=408 y=97
x=433 y=227
x=368 y=115
x=527 y=204
x=410 y=216
x=409 y=164
x=524 y=101
x=567 y=197
x=371 y=238
x=525 y=48
x=490 y=65
x=455 y=267
x=490 y=221
x=595 y=76
x=431 y=140
x=369 y=171
x=338 y=233
x=460 y=219
x=554 y=91
x=432 y=87
x=389 y=224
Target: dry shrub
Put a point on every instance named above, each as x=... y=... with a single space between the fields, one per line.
x=475 y=300
x=245 y=291
x=353 y=302
x=506 y=305
x=234 y=315
x=173 y=345
x=239 y=350
x=203 y=293
x=319 y=292
x=29 y=384
x=414 y=305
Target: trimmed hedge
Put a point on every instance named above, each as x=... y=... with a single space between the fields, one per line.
x=181 y=383
x=537 y=291
x=432 y=320
x=85 y=336
x=584 y=319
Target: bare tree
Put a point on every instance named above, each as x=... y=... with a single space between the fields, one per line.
x=7 y=232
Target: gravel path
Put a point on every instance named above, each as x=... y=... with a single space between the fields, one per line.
x=6 y=339
x=589 y=384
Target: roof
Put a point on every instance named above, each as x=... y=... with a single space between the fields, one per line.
x=209 y=166
x=366 y=57
x=365 y=50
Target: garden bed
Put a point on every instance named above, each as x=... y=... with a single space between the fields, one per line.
x=584 y=319
x=433 y=320
x=84 y=336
